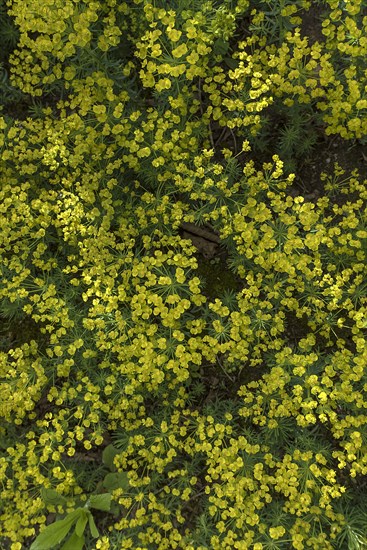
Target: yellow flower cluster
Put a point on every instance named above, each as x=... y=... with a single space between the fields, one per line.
x=240 y=419
x=301 y=70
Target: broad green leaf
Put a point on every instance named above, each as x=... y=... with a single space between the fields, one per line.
x=92 y=526
x=74 y=543
x=108 y=455
x=116 y=481
x=50 y=496
x=100 y=502
x=81 y=523
x=220 y=47
x=56 y=532
x=231 y=63
x=115 y=509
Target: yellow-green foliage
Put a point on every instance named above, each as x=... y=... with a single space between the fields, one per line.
x=240 y=419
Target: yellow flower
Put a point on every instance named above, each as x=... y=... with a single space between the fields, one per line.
x=173 y=34
x=180 y=51
x=276 y=532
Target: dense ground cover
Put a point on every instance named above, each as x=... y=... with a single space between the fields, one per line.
x=183 y=274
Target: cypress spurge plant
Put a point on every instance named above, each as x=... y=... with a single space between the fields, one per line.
x=236 y=408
